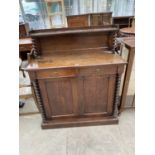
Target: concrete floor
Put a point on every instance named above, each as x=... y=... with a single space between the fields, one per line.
x=94 y=140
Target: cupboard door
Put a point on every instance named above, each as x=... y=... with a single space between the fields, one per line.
x=96 y=94
x=57 y=96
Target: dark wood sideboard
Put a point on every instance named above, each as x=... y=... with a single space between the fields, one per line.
x=76 y=76
x=90 y=19
x=23 y=30
x=123 y=21
x=25 y=42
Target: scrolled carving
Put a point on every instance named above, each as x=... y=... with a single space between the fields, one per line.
x=35 y=50
x=116 y=100
x=39 y=99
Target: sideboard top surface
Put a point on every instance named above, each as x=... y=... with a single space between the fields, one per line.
x=75 y=59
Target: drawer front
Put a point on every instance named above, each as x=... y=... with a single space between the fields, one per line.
x=25 y=48
x=101 y=70
x=86 y=71
x=56 y=73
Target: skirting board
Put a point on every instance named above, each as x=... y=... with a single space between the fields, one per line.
x=79 y=122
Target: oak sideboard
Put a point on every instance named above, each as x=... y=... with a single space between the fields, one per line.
x=76 y=75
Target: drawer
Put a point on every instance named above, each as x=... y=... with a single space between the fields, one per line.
x=25 y=48
x=89 y=71
x=101 y=70
x=56 y=73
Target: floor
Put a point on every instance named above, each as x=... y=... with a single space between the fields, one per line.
x=94 y=140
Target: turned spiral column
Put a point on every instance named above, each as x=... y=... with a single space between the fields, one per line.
x=114 y=42
x=39 y=99
x=116 y=99
x=34 y=48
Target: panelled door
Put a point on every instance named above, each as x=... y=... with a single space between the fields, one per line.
x=96 y=95
x=57 y=95
x=78 y=96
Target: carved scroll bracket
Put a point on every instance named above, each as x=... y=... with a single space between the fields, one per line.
x=34 y=51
